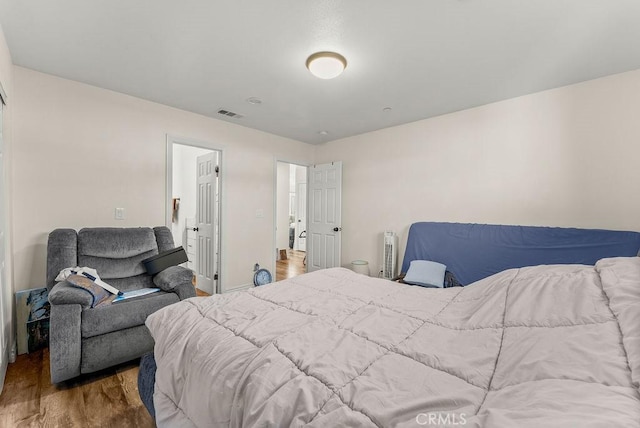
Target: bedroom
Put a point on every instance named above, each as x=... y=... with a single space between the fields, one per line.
x=562 y=156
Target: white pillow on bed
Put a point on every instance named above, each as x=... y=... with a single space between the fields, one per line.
x=425 y=273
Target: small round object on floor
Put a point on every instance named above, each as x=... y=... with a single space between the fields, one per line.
x=262 y=277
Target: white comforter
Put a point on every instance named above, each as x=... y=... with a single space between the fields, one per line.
x=545 y=346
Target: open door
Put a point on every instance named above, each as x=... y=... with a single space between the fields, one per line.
x=193 y=205
x=325 y=216
x=206 y=222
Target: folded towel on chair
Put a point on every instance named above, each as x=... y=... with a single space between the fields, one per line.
x=92 y=274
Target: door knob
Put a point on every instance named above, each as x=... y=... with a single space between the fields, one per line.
x=195 y=229
x=337 y=229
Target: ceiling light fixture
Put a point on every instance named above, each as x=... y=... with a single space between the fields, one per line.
x=326 y=65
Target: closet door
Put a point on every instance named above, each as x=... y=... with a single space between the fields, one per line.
x=5 y=289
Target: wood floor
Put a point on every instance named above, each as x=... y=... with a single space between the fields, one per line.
x=200 y=293
x=106 y=399
x=291 y=267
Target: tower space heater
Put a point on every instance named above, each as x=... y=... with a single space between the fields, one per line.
x=389 y=255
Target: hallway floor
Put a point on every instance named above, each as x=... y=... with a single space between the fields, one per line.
x=291 y=267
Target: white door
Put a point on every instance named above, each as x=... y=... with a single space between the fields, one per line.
x=324 y=218
x=206 y=222
x=301 y=217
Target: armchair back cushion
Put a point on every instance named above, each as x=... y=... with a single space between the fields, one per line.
x=62 y=252
x=116 y=252
x=164 y=238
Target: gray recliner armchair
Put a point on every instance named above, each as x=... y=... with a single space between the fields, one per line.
x=84 y=339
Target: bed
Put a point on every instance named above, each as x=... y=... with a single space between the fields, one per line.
x=545 y=332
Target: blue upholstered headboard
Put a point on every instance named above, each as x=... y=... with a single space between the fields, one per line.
x=476 y=251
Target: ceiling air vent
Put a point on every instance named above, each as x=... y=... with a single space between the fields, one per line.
x=230 y=114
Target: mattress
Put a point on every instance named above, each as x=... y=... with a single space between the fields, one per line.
x=553 y=346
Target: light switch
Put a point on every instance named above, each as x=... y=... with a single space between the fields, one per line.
x=259 y=213
x=119 y=214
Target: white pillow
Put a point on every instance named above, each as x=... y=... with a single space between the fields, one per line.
x=425 y=273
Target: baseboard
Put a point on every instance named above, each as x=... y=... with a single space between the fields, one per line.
x=3 y=373
x=6 y=358
x=242 y=287
x=13 y=353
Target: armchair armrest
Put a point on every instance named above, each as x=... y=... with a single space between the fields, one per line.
x=65 y=350
x=172 y=277
x=185 y=291
x=65 y=294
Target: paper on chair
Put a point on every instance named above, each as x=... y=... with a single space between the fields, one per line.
x=135 y=293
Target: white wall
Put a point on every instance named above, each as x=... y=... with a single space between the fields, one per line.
x=300 y=175
x=563 y=157
x=81 y=151
x=184 y=186
x=282 y=205
x=7 y=288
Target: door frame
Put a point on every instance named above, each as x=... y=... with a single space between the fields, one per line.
x=222 y=245
x=275 y=204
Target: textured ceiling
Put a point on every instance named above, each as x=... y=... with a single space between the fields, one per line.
x=422 y=58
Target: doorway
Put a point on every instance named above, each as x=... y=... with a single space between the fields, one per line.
x=290 y=220
x=193 y=194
